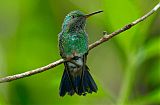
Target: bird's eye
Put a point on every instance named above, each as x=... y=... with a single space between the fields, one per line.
x=73 y=16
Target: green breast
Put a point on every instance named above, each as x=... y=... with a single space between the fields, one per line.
x=74 y=43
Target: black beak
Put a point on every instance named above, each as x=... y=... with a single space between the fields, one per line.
x=91 y=14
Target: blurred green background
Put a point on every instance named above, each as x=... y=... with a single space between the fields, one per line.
x=126 y=68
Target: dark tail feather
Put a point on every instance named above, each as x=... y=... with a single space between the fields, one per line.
x=81 y=84
x=87 y=84
x=66 y=85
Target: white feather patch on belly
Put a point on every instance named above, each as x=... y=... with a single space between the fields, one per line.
x=73 y=67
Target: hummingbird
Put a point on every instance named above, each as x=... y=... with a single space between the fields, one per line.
x=73 y=46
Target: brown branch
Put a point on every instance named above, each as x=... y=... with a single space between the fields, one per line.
x=31 y=72
x=93 y=45
x=126 y=27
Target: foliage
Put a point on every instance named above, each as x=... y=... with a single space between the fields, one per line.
x=126 y=68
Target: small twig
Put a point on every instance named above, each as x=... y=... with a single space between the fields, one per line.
x=93 y=45
x=104 y=32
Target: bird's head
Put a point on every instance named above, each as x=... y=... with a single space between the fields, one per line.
x=76 y=20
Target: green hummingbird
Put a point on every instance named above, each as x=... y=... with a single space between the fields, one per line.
x=73 y=46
